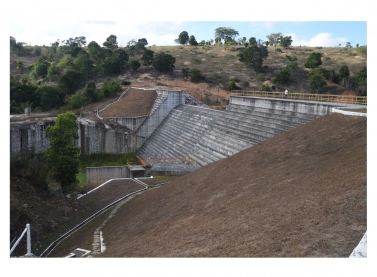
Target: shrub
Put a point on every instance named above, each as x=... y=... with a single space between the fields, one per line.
x=279 y=50
x=282 y=77
x=245 y=84
x=261 y=77
x=265 y=87
x=196 y=75
x=232 y=86
x=125 y=83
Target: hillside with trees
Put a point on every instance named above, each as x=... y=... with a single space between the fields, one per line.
x=71 y=73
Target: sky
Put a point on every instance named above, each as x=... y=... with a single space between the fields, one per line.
x=319 y=23
x=162 y=33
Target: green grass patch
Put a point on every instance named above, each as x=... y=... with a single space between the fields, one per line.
x=95 y=160
x=81 y=177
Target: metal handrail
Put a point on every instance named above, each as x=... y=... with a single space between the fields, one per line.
x=344 y=99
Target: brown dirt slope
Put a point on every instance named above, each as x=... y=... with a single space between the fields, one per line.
x=136 y=102
x=299 y=194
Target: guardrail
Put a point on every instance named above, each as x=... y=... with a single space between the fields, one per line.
x=344 y=99
x=26 y=230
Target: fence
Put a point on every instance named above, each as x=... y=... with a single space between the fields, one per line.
x=27 y=230
x=344 y=99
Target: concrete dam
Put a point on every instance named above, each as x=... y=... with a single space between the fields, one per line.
x=172 y=132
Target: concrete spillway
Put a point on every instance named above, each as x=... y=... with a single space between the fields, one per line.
x=191 y=137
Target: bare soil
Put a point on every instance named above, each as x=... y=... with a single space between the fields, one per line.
x=299 y=194
x=136 y=102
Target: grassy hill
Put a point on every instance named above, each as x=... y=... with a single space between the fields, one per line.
x=219 y=64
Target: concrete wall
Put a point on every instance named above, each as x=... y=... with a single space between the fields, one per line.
x=94 y=137
x=298 y=106
x=173 y=99
x=99 y=175
x=29 y=136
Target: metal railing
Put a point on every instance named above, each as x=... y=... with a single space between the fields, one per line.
x=26 y=230
x=344 y=99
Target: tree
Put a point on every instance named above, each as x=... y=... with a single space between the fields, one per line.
x=91 y=92
x=285 y=41
x=111 y=42
x=71 y=81
x=143 y=41
x=110 y=89
x=253 y=56
x=314 y=60
x=344 y=74
x=84 y=64
x=115 y=63
x=196 y=75
x=282 y=77
x=274 y=39
x=362 y=81
x=163 y=62
x=20 y=66
x=37 y=51
x=226 y=34
x=95 y=51
x=41 y=69
x=317 y=81
x=134 y=64
x=183 y=38
x=62 y=155
x=147 y=57
x=185 y=72
x=50 y=97
x=192 y=41
x=53 y=72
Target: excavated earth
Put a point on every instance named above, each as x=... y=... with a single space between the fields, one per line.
x=299 y=194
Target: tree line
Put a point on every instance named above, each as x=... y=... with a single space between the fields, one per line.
x=71 y=65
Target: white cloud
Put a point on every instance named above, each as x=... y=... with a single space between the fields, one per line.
x=38 y=33
x=322 y=39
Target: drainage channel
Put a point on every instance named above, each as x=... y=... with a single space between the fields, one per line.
x=52 y=246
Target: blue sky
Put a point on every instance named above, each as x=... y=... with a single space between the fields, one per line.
x=309 y=33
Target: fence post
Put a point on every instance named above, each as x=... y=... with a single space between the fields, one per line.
x=28 y=254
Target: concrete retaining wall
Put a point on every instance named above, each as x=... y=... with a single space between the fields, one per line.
x=29 y=136
x=94 y=137
x=99 y=175
x=298 y=106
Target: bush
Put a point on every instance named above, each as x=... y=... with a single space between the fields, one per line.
x=76 y=101
x=282 y=77
x=279 y=50
x=232 y=86
x=196 y=75
x=265 y=87
x=235 y=79
x=125 y=83
x=261 y=77
x=110 y=89
x=245 y=84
